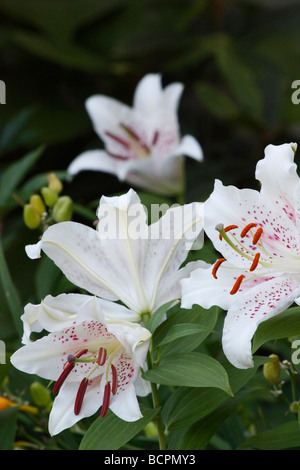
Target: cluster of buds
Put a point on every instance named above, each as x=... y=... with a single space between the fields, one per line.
x=48 y=207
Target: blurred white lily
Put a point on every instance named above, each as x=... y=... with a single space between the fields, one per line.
x=95 y=362
x=258 y=234
x=142 y=144
x=125 y=258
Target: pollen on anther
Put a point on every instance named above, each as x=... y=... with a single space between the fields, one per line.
x=80 y=394
x=102 y=356
x=247 y=229
x=106 y=398
x=114 y=385
x=216 y=267
x=255 y=262
x=257 y=235
x=66 y=371
x=237 y=284
x=226 y=229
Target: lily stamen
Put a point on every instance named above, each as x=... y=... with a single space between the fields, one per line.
x=237 y=284
x=255 y=262
x=114 y=380
x=247 y=229
x=118 y=139
x=102 y=356
x=80 y=395
x=257 y=235
x=227 y=229
x=216 y=266
x=66 y=371
x=106 y=399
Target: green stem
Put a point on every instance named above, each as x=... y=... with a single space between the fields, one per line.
x=156 y=404
x=155 y=398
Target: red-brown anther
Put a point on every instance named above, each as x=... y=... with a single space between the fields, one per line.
x=216 y=267
x=66 y=371
x=136 y=137
x=102 y=356
x=237 y=284
x=226 y=229
x=81 y=353
x=117 y=156
x=117 y=139
x=257 y=235
x=255 y=262
x=247 y=229
x=106 y=398
x=80 y=394
x=114 y=385
x=155 y=137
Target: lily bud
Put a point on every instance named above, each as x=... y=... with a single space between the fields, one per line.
x=31 y=217
x=40 y=394
x=271 y=369
x=150 y=429
x=63 y=209
x=54 y=183
x=294 y=407
x=49 y=195
x=37 y=203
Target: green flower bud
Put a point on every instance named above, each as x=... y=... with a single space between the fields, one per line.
x=63 y=209
x=49 y=195
x=40 y=394
x=37 y=203
x=272 y=370
x=150 y=429
x=294 y=407
x=54 y=183
x=31 y=217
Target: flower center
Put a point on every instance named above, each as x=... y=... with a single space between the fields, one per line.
x=132 y=143
x=101 y=358
x=255 y=257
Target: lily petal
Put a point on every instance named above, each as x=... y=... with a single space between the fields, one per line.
x=130 y=261
x=98 y=160
x=190 y=147
x=251 y=308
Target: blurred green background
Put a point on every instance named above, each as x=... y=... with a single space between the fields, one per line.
x=237 y=60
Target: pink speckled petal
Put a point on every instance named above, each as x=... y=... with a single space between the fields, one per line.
x=252 y=308
x=232 y=206
x=277 y=174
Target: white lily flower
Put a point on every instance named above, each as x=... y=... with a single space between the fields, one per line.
x=56 y=313
x=258 y=234
x=142 y=144
x=125 y=258
x=94 y=361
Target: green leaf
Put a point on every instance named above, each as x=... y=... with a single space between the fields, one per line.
x=158 y=315
x=60 y=18
x=197 y=315
x=14 y=174
x=69 y=55
x=186 y=406
x=284 y=436
x=216 y=101
x=111 y=432
x=183 y=329
x=10 y=291
x=4 y=368
x=8 y=422
x=190 y=370
x=241 y=78
x=198 y=435
x=282 y=326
